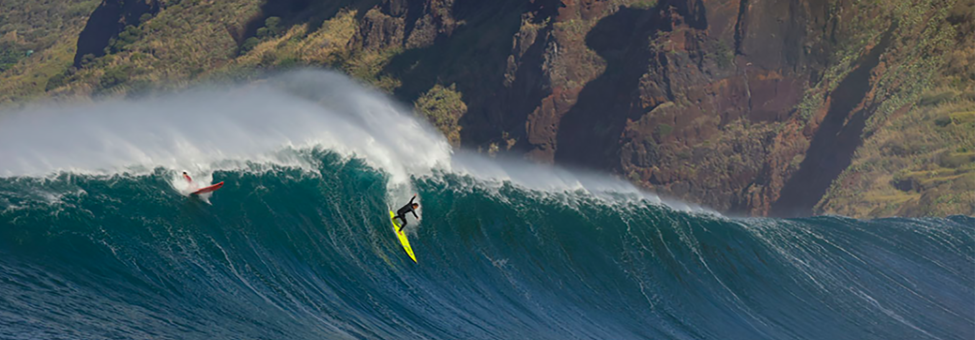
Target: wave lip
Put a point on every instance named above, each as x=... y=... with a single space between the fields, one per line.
x=220 y=127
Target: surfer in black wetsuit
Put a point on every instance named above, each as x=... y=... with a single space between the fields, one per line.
x=408 y=208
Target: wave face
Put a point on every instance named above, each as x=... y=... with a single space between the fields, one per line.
x=98 y=239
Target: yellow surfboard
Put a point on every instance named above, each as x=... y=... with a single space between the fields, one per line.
x=402 y=236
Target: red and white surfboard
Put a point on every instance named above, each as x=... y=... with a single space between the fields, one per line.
x=211 y=188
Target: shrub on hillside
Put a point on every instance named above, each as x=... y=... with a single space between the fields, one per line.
x=115 y=76
x=59 y=79
x=443 y=106
x=249 y=45
x=129 y=36
x=10 y=55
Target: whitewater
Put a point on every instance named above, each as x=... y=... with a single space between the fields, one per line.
x=99 y=238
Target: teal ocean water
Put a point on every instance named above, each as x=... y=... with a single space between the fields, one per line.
x=99 y=239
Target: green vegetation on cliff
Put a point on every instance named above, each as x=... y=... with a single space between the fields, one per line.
x=443 y=107
x=921 y=161
x=50 y=30
x=861 y=108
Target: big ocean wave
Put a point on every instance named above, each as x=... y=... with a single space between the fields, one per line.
x=99 y=239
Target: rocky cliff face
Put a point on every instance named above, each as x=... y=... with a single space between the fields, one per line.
x=697 y=99
x=747 y=106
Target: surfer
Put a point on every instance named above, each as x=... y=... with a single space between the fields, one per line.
x=408 y=208
x=187 y=177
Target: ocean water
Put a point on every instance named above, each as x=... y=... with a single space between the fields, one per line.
x=99 y=238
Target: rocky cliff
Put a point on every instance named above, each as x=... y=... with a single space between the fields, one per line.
x=756 y=107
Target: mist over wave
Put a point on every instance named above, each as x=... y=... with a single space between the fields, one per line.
x=99 y=241
x=218 y=127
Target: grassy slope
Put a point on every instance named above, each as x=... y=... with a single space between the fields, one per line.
x=48 y=27
x=920 y=161
x=186 y=41
x=182 y=42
